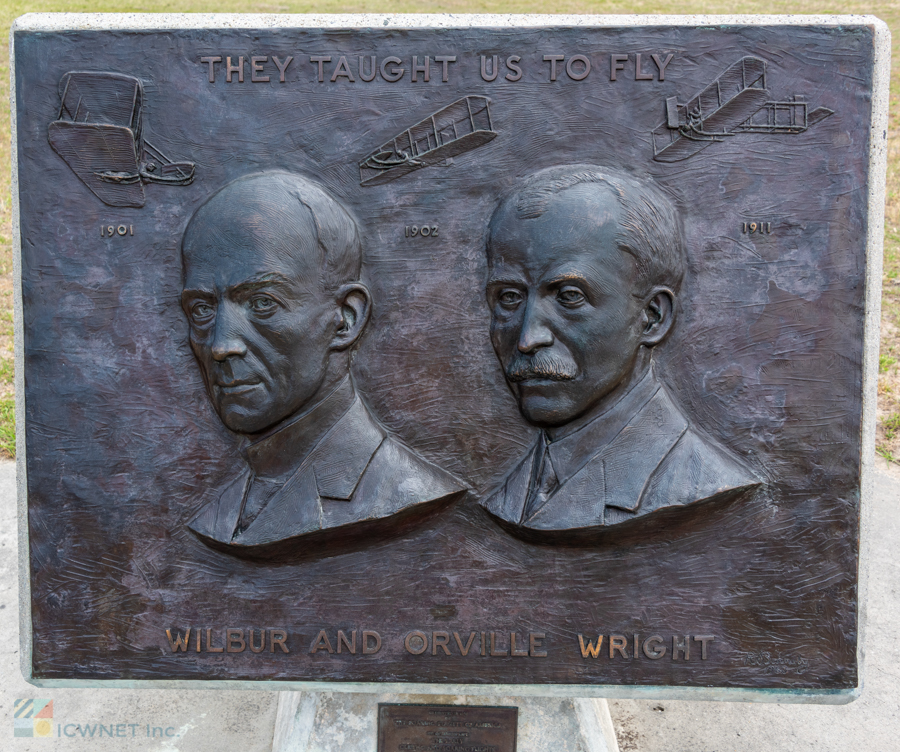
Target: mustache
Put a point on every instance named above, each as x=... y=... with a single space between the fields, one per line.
x=541 y=365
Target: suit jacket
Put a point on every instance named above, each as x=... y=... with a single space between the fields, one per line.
x=640 y=456
x=355 y=473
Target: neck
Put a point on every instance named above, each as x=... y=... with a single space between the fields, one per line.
x=281 y=449
x=608 y=400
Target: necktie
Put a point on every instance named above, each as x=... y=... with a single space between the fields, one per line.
x=544 y=482
x=259 y=492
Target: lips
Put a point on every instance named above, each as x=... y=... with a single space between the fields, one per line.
x=236 y=387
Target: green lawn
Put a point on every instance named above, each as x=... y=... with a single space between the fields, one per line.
x=889 y=371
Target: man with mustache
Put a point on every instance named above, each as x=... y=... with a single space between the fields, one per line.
x=585 y=266
x=274 y=302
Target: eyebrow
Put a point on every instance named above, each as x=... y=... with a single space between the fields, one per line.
x=567 y=277
x=564 y=277
x=194 y=293
x=503 y=281
x=258 y=281
x=254 y=282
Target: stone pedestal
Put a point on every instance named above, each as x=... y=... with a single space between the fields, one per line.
x=342 y=722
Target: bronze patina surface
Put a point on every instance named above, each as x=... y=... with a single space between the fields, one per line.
x=526 y=355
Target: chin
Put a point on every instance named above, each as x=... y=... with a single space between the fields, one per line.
x=545 y=404
x=241 y=420
x=546 y=413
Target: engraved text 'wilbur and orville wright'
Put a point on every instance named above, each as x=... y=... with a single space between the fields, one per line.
x=359 y=353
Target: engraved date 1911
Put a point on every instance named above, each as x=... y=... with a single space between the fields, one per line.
x=761 y=228
x=108 y=231
x=425 y=231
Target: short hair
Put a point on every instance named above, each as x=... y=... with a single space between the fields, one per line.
x=292 y=200
x=650 y=228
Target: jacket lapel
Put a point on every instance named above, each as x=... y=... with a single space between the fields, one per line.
x=218 y=519
x=579 y=502
x=293 y=510
x=618 y=474
x=331 y=471
x=634 y=454
x=343 y=455
x=508 y=501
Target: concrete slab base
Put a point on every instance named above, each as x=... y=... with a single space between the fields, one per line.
x=332 y=722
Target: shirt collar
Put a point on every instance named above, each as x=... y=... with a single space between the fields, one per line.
x=281 y=450
x=572 y=452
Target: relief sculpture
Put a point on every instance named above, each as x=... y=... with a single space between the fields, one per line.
x=585 y=266
x=450 y=373
x=98 y=132
x=451 y=131
x=736 y=102
x=273 y=297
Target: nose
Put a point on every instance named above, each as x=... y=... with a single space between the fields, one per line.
x=534 y=333
x=227 y=340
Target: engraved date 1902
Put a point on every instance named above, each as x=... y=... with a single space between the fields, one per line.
x=425 y=231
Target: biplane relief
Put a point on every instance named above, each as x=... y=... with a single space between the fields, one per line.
x=585 y=265
x=455 y=129
x=98 y=132
x=737 y=102
x=274 y=303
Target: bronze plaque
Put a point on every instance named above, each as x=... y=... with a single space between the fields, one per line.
x=444 y=356
x=446 y=728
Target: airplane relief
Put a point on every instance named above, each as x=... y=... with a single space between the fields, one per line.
x=737 y=102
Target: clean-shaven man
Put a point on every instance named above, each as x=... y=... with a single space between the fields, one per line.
x=273 y=297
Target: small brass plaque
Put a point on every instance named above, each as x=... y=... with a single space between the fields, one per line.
x=446 y=728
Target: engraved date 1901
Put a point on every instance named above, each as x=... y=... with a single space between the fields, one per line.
x=425 y=231
x=108 y=231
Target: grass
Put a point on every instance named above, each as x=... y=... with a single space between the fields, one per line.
x=8 y=427
x=888 y=431
x=892 y=425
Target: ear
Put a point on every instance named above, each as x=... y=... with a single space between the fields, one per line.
x=658 y=316
x=354 y=307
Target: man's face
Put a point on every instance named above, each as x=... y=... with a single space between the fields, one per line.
x=261 y=322
x=565 y=322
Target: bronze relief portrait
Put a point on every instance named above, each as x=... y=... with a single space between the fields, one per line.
x=275 y=305
x=585 y=266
